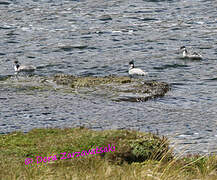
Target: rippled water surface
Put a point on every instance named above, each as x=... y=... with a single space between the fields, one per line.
x=99 y=38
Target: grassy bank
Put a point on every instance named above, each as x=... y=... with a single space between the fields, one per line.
x=136 y=155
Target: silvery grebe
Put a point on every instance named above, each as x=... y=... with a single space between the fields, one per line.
x=135 y=71
x=189 y=55
x=23 y=68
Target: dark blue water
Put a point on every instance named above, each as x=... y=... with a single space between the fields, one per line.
x=96 y=37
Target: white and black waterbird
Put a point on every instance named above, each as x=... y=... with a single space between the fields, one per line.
x=190 y=55
x=23 y=68
x=135 y=71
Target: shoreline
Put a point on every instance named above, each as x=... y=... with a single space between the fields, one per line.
x=137 y=155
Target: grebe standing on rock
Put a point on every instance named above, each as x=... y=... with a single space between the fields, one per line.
x=135 y=71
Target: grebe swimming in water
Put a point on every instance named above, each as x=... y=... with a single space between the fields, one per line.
x=23 y=68
x=189 y=55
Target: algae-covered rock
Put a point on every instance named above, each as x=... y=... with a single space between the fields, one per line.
x=116 y=88
x=25 y=84
x=89 y=81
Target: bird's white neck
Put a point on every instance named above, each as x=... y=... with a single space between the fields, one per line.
x=184 y=53
x=131 y=66
x=16 y=67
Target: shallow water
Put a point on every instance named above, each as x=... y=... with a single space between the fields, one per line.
x=100 y=38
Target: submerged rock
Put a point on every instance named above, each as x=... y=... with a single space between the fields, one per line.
x=68 y=47
x=105 y=17
x=116 y=88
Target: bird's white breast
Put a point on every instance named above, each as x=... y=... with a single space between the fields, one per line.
x=137 y=71
x=15 y=68
x=25 y=68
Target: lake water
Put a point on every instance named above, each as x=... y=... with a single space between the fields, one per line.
x=99 y=38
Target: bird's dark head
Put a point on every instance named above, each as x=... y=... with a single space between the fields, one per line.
x=182 y=47
x=131 y=62
x=17 y=65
